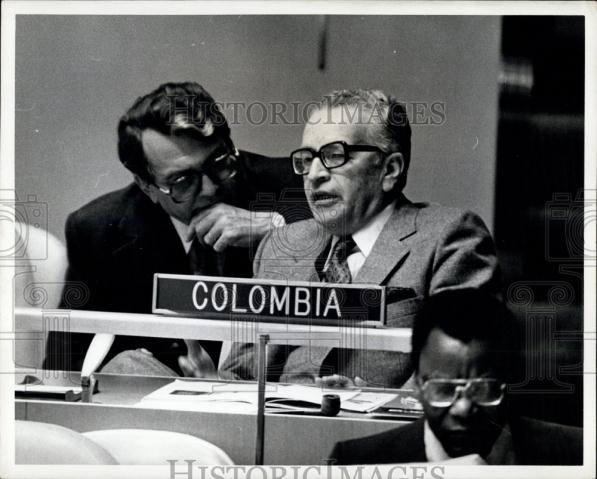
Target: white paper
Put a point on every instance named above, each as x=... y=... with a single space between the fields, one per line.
x=242 y=397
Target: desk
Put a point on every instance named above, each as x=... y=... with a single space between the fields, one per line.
x=289 y=439
x=130 y=324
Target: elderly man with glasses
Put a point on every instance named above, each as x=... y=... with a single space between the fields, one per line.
x=188 y=211
x=464 y=353
x=354 y=160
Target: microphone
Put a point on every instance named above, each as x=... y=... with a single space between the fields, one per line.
x=97 y=351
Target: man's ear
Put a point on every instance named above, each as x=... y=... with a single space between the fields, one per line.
x=394 y=167
x=146 y=188
x=416 y=386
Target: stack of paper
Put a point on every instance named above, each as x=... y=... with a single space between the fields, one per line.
x=242 y=397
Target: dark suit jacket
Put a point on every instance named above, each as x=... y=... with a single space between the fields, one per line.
x=427 y=248
x=534 y=442
x=117 y=242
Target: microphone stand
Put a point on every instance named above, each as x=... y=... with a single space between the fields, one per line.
x=261 y=384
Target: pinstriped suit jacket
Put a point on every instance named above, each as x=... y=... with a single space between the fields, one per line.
x=428 y=248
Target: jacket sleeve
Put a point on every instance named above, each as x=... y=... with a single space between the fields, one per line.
x=336 y=457
x=465 y=257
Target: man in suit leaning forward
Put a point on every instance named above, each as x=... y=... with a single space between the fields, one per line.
x=354 y=161
x=191 y=209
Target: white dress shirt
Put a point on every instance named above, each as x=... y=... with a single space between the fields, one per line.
x=182 y=231
x=364 y=238
x=434 y=450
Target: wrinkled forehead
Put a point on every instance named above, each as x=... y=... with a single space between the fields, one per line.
x=446 y=357
x=349 y=123
x=156 y=144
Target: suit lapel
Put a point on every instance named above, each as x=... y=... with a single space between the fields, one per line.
x=388 y=253
x=412 y=446
x=147 y=235
x=308 y=261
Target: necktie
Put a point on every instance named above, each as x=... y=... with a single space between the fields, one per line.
x=307 y=362
x=338 y=270
x=202 y=260
x=202 y=356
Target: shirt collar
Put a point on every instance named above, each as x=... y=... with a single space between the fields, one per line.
x=366 y=237
x=181 y=230
x=434 y=450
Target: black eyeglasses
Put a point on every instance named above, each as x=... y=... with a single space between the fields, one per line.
x=332 y=155
x=482 y=391
x=218 y=169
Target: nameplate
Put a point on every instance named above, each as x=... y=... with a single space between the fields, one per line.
x=214 y=297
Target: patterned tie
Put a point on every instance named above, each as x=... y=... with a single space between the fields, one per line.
x=338 y=270
x=305 y=363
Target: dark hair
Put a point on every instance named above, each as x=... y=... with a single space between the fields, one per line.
x=171 y=109
x=395 y=135
x=467 y=315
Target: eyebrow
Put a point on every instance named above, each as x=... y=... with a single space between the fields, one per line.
x=216 y=153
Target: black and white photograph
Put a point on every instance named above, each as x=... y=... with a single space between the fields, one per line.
x=298 y=239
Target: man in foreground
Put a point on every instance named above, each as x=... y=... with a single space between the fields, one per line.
x=188 y=211
x=463 y=353
x=354 y=161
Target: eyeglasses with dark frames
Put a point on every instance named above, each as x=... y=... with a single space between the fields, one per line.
x=332 y=155
x=219 y=169
x=442 y=393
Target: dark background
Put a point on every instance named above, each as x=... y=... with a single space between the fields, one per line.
x=539 y=207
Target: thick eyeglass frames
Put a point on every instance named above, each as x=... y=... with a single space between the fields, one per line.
x=218 y=169
x=442 y=393
x=332 y=155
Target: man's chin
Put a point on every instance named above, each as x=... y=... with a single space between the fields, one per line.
x=332 y=218
x=459 y=450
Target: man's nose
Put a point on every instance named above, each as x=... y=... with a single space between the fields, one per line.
x=462 y=408
x=208 y=187
x=317 y=172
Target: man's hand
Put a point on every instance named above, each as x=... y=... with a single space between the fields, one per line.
x=337 y=381
x=222 y=225
x=197 y=363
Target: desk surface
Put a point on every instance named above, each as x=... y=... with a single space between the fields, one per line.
x=289 y=439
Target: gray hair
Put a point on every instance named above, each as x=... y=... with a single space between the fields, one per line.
x=385 y=110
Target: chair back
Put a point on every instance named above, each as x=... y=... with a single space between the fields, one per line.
x=151 y=447
x=43 y=443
